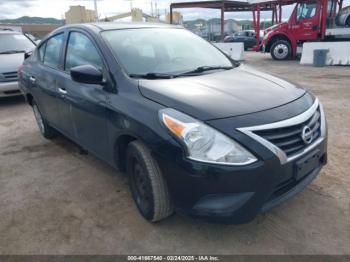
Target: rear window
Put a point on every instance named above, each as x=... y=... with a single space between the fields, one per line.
x=15 y=43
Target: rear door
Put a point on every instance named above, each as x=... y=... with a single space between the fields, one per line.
x=86 y=103
x=307 y=21
x=43 y=78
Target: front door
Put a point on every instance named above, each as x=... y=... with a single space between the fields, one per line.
x=307 y=25
x=86 y=103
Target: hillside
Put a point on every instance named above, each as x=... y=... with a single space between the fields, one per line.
x=32 y=20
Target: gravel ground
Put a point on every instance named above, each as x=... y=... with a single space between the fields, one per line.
x=54 y=200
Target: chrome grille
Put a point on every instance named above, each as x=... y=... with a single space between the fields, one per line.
x=9 y=76
x=284 y=138
x=289 y=139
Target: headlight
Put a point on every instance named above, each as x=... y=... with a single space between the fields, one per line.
x=204 y=143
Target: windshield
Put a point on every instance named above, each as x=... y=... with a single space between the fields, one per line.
x=163 y=51
x=15 y=42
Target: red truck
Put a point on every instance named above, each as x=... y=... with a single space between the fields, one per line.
x=311 y=20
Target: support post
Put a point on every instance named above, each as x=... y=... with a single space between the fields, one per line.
x=96 y=11
x=256 y=24
x=279 y=13
x=324 y=20
x=171 y=14
x=223 y=21
x=340 y=5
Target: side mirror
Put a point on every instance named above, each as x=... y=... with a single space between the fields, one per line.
x=27 y=54
x=87 y=74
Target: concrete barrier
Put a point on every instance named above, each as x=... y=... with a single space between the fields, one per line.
x=339 y=52
x=234 y=50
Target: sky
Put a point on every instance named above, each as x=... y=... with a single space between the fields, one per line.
x=57 y=8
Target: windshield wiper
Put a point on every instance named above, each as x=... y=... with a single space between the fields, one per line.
x=152 y=76
x=198 y=70
x=12 y=52
x=202 y=69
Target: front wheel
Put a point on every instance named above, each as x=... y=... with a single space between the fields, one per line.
x=148 y=187
x=280 y=50
x=47 y=131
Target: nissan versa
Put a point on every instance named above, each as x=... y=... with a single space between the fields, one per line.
x=194 y=129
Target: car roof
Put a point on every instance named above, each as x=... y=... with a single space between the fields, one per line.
x=119 y=25
x=101 y=26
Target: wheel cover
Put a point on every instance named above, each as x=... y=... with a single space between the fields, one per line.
x=142 y=187
x=39 y=119
x=281 y=51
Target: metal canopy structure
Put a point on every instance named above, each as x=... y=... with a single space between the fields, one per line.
x=254 y=6
x=228 y=5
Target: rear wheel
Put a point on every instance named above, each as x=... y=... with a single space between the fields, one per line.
x=47 y=131
x=280 y=50
x=148 y=187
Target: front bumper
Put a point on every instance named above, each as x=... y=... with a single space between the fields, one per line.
x=9 y=89
x=232 y=194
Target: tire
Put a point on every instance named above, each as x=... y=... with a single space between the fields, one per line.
x=347 y=22
x=281 y=50
x=45 y=129
x=148 y=187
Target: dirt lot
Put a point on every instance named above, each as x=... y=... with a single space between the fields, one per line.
x=54 y=200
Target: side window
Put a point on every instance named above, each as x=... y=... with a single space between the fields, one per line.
x=41 y=52
x=306 y=10
x=81 y=51
x=52 y=52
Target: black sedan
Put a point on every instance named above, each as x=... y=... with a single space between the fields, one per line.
x=248 y=37
x=192 y=128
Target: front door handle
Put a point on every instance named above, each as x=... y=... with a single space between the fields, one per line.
x=63 y=91
x=32 y=80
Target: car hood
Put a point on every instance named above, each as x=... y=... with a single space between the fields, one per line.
x=10 y=62
x=242 y=90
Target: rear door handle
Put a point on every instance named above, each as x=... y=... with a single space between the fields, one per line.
x=63 y=91
x=32 y=80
